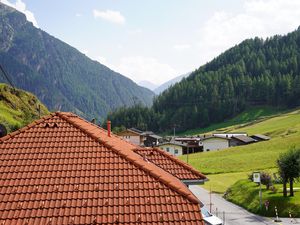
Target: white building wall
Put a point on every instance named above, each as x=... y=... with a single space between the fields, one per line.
x=132 y=139
x=229 y=135
x=172 y=149
x=215 y=144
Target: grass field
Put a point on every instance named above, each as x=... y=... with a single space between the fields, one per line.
x=227 y=166
x=228 y=169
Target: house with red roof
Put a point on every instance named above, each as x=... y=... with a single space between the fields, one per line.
x=62 y=169
x=184 y=172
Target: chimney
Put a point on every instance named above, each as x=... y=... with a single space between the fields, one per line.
x=108 y=128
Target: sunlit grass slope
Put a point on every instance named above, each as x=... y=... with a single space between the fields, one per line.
x=18 y=108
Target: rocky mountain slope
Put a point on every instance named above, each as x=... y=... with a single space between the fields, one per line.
x=62 y=77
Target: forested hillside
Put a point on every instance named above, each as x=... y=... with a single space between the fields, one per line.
x=18 y=107
x=62 y=77
x=255 y=72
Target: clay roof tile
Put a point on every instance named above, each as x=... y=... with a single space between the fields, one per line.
x=73 y=173
x=170 y=163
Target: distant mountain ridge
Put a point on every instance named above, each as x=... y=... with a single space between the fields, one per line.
x=147 y=84
x=61 y=76
x=169 y=83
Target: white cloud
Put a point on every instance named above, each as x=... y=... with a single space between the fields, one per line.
x=135 y=32
x=140 y=68
x=78 y=15
x=21 y=6
x=258 y=18
x=180 y=47
x=110 y=15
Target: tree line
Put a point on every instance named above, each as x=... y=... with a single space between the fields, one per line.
x=255 y=72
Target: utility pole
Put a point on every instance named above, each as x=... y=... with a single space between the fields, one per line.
x=210 y=204
x=257 y=179
x=187 y=155
x=260 y=196
x=174 y=129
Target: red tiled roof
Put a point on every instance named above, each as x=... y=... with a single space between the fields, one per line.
x=62 y=169
x=170 y=163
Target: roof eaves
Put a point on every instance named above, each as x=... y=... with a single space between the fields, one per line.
x=171 y=157
x=36 y=122
x=194 y=182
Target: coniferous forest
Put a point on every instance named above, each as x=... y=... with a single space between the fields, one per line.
x=255 y=72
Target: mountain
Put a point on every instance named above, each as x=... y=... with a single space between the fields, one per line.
x=167 y=84
x=18 y=107
x=147 y=84
x=253 y=73
x=61 y=76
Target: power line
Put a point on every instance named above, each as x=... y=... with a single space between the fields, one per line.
x=6 y=76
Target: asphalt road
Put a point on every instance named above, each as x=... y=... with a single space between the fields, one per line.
x=234 y=215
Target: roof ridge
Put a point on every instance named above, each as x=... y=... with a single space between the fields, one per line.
x=95 y=125
x=174 y=159
x=136 y=159
x=30 y=125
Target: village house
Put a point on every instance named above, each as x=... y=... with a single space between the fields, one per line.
x=151 y=139
x=62 y=169
x=260 y=137
x=141 y=138
x=240 y=140
x=174 y=147
x=229 y=135
x=133 y=135
x=184 y=172
x=194 y=144
x=211 y=143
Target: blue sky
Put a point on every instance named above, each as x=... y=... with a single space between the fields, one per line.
x=158 y=40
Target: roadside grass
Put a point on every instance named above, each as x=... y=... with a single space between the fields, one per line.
x=218 y=183
x=249 y=115
x=246 y=194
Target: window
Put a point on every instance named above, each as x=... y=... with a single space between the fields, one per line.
x=167 y=149
x=176 y=151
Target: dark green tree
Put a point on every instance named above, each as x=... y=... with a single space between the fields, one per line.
x=289 y=168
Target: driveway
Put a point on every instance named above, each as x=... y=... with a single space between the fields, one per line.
x=234 y=215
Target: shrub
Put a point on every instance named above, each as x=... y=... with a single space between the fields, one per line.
x=266 y=179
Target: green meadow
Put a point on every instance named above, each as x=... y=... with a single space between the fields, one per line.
x=228 y=169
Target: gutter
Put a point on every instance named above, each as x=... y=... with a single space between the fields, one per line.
x=194 y=182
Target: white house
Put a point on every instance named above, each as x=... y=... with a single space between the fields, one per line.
x=215 y=143
x=173 y=147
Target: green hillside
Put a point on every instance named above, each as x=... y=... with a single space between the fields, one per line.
x=18 y=108
x=256 y=72
x=226 y=166
x=59 y=75
x=243 y=119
